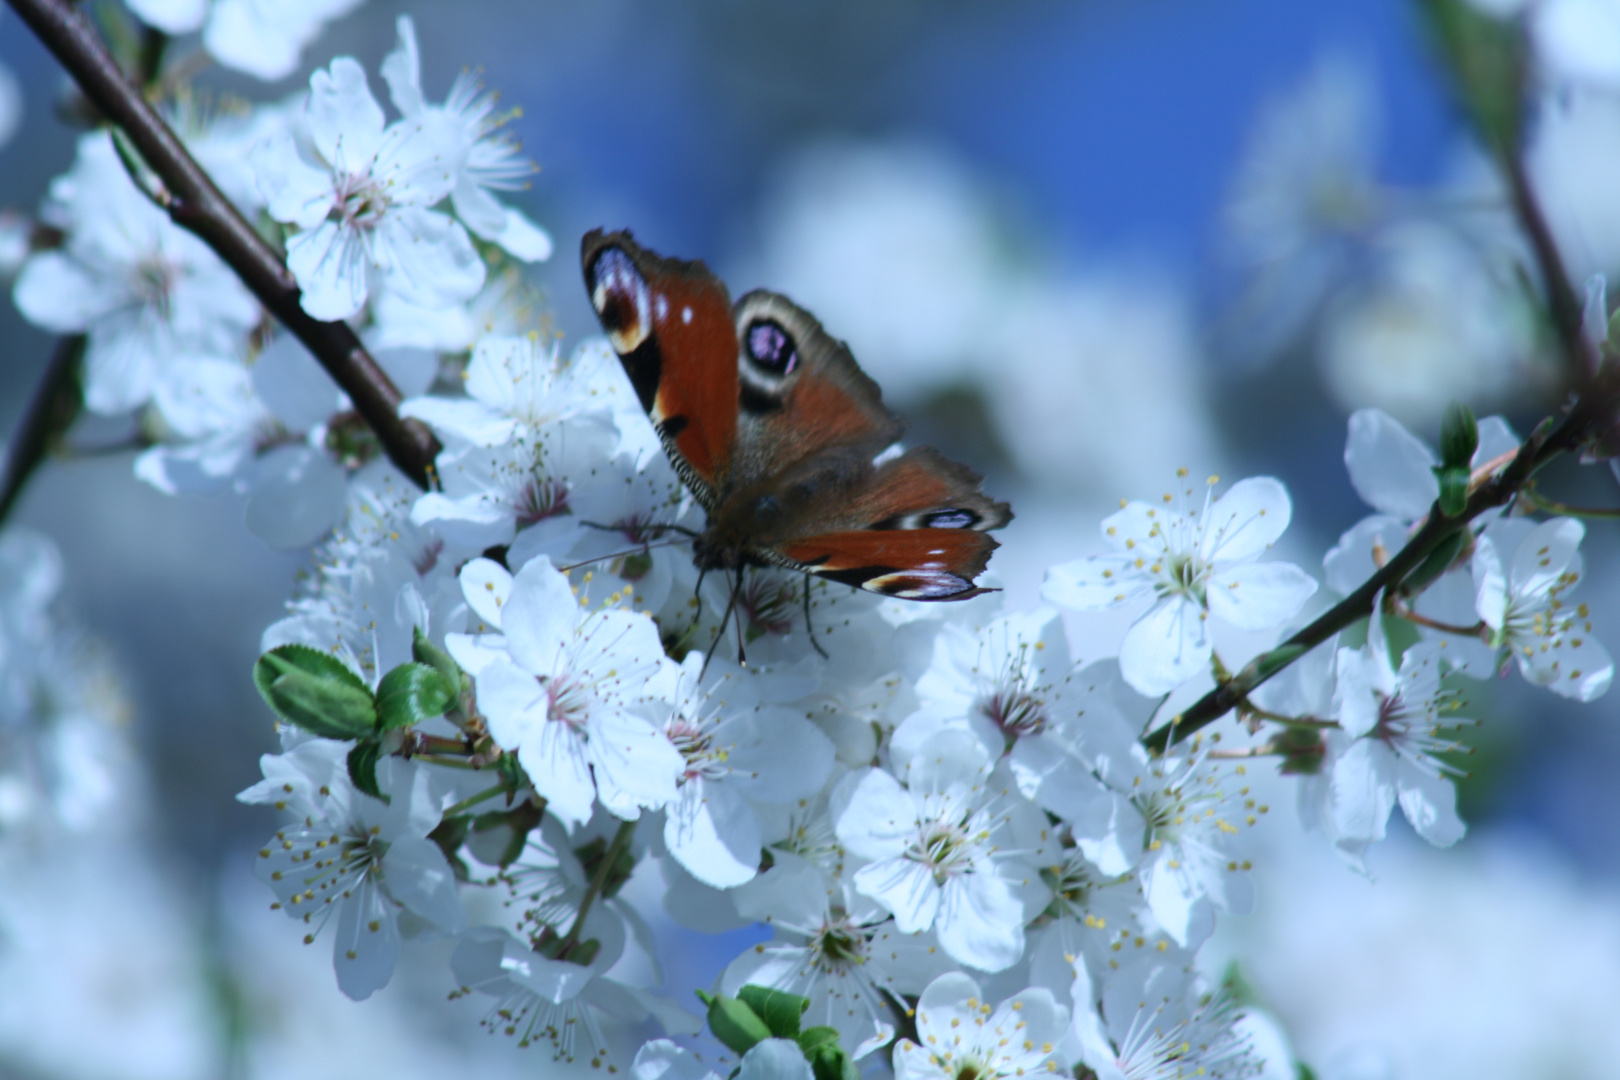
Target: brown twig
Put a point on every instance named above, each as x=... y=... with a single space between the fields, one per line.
x=46 y=417
x=194 y=203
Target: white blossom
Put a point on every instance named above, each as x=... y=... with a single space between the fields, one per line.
x=1194 y=563
x=355 y=858
x=1162 y=1025
x=947 y=849
x=359 y=192
x=563 y=697
x=1524 y=604
x=965 y=1036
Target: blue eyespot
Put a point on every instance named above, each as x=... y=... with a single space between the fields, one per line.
x=770 y=347
x=952 y=519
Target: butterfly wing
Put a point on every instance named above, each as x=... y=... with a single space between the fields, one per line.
x=916 y=529
x=670 y=321
x=801 y=395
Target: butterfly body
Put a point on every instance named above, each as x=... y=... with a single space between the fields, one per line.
x=781 y=437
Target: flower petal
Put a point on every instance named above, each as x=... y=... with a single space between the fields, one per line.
x=1095 y=583
x=540 y=616
x=980 y=922
x=1246 y=520
x=487 y=585
x=1259 y=596
x=905 y=888
x=1389 y=466
x=1165 y=647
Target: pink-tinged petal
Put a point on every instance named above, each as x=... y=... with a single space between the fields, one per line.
x=298 y=497
x=540 y=616
x=774 y=1059
x=428 y=257
x=1389 y=466
x=1246 y=520
x=1550 y=551
x=1363 y=791
x=1096 y=583
x=661 y=1059
x=330 y=266
x=365 y=946
x=1350 y=562
x=1496 y=437
x=905 y=888
x=514 y=702
x=418 y=876
x=1490 y=584
x=469 y=421
x=345 y=121
x=559 y=764
x=1430 y=805
x=981 y=923
x=1582 y=672
x=295 y=190
x=1165 y=647
x=1259 y=596
x=635 y=764
x=402 y=70
x=880 y=818
x=487 y=586
x=56 y=293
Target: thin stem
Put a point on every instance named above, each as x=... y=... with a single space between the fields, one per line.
x=615 y=850
x=1279 y=718
x=1553 y=506
x=49 y=412
x=1266 y=749
x=473 y=800
x=196 y=204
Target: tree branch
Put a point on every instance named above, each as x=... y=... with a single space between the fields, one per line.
x=48 y=414
x=1592 y=409
x=197 y=205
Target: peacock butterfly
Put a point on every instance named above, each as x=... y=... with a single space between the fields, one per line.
x=781 y=437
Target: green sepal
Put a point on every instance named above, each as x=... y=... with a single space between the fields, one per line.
x=1303 y=1071
x=363 y=768
x=449 y=834
x=1302 y=750
x=424 y=651
x=510 y=770
x=779 y=1010
x=1459 y=436
x=516 y=823
x=410 y=694
x=1453 y=489
x=315 y=691
x=590 y=857
x=828 y=1060
x=734 y=1023
x=1614 y=331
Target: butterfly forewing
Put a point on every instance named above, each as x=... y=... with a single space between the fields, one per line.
x=671 y=324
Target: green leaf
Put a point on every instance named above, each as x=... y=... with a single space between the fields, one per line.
x=1488 y=57
x=363 y=768
x=498 y=837
x=449 y=834
x=1459 y=436
x=425 y=652
x=315 y=691
x=410 y=694
x=780 y=1011
x=1453 y=489
x=734 y=1023
x=810 y=1038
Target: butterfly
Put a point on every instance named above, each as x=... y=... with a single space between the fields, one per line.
x=779 y=435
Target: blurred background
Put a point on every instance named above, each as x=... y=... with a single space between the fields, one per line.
x=1079 y=244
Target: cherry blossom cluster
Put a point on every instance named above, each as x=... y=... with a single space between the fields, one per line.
x=504 y=702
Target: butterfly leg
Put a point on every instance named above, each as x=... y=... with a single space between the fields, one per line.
x=736 y=590
x=810 y=629
x=719 y=630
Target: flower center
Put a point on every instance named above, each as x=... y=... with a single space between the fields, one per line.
x=361 y=201
x=944 y=847
x=541 y=499
x=696 y=745
x=567 y=703
x=153 y=281
x=839 y=945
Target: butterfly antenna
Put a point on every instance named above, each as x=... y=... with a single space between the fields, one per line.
x=637 y=550
x=808 y=627
x=652 y=527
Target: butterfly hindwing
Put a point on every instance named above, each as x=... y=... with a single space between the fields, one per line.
x=670 y=321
